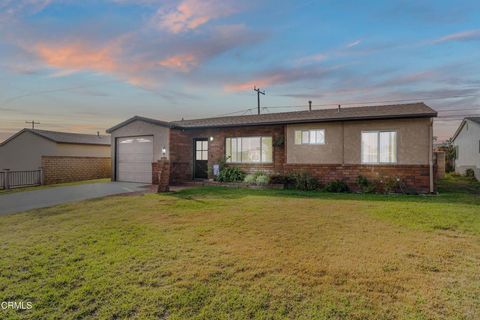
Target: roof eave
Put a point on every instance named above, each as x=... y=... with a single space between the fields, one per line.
x=283 y=122
x=138 y=118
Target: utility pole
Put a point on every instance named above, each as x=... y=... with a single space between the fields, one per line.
x=257 y=90
x=33 y=123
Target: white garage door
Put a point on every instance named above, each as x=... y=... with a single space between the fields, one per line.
x=134 y=159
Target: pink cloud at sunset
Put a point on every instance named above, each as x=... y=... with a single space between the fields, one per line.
x=181 y=62
x=77 y=57
x=191 y=14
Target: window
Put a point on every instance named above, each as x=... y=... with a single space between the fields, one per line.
x=201 y=150
x=314 y=136
x=249 y=149
x=379 y=147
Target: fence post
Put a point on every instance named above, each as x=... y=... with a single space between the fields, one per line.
x=6 y=180
x=40 y=178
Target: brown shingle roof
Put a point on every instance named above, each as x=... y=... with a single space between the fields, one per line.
x=66 y=137
x=410 y=110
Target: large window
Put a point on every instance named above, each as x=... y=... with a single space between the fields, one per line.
x=314 y=136
x=379 y=147
x=249 y=149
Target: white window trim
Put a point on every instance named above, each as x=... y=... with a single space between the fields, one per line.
x=378 y=147
x=308 y=130
x=249 y=162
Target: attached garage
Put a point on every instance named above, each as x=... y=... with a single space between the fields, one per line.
x=134 y=159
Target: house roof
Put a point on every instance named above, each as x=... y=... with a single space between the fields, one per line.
x=65 y=137
x=410 y=110
x=135 y=118
x=462 y=124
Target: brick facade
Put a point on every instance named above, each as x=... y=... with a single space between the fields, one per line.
x=181 y=149
x=415 y=177
x=60 y=169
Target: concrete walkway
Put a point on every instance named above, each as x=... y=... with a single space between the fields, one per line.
x=41 y=198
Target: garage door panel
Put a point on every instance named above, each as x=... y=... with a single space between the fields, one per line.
x=134 y=159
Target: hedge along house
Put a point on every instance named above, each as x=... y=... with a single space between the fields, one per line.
x=373 y=141
x=63 y=156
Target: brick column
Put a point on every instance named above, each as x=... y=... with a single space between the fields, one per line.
x=163 y=175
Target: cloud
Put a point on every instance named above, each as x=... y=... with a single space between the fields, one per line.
x=313 y=58
x=77 y=56
x=181 y=62
x=471 y=35
x=354 y=43
x=191 y=14
x=282 y=76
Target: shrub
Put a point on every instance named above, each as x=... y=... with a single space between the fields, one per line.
x=231 y=174
x=390 y=184
x=303 y=181
x=262 y=180
x=469 y=173
x=337 y=186
x=250 y=178
x=364 y=185
x=288 y=181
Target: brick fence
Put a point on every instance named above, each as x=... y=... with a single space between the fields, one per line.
x=59 y=169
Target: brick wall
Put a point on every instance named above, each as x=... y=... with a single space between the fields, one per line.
x=59 y=169
x=181 y=149
x=415 y=177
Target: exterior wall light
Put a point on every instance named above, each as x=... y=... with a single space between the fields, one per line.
x=211 y=138
x=164 y=151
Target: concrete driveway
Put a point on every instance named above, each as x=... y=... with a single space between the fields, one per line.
x=41 y=198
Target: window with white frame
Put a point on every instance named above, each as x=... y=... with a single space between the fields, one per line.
x=249 y=149
x=312 y=136
x=379 y=147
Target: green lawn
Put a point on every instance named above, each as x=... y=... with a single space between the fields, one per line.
x=2 y=191
x=215 y=253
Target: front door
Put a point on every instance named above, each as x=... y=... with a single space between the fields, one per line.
x=200 y=159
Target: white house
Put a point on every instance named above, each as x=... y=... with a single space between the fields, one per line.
x=467 y=145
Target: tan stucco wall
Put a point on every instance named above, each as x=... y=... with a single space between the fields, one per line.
x=82 y=150
x=141 y=128
x=412 y=140
x=24 y=152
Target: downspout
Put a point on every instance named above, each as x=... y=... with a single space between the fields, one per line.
x=430 y=155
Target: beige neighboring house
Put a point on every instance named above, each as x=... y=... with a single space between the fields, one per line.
x=64 y=156
x=467 y=146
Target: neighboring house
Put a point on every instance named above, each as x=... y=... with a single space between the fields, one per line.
x=467 y=146
x=374 y=141
x=63 y=156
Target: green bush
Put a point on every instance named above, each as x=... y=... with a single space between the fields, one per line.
x=390 y=184
x=364 y=185
x=231 y=174
x=469 y=173
x=336 y=186
x=303 y=181
x=250 y=178
x=262 y=180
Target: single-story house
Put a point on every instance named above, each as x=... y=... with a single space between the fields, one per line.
x=466 y=141
x=63 y=156
x=373 y=141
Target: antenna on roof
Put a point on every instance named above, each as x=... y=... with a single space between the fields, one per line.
x=258 y=96
x=310 y=105
x=33 y=123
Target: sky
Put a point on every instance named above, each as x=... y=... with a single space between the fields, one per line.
x=84 y=66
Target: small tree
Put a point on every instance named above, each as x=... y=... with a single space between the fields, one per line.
x=450 y=155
